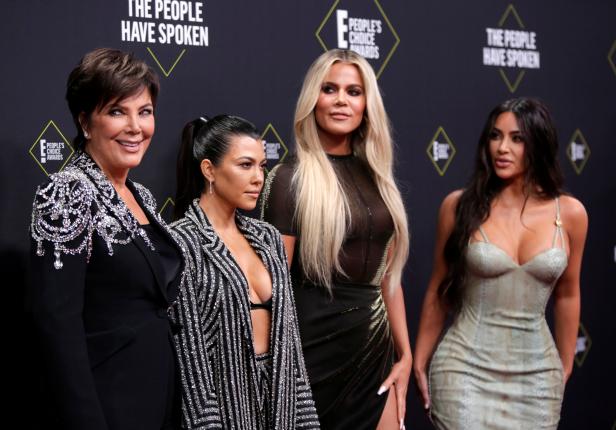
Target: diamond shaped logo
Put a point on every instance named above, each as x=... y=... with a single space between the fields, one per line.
x=511 y=48
x=582 y=346
x=511 y=15
x=611 y=57
x=166 y=71
x=361 y=26
x=275 y=149
x=51 y=150
x=578 y=151
x=441 y=151
x=166 y=211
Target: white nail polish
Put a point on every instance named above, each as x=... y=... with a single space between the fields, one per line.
x=382 y=390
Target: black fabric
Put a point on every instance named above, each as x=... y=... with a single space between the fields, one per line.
x=371 y=224
x=267 y=305
x=346 y=338
x=167 y=260
x=348 y=350
x=104 y=335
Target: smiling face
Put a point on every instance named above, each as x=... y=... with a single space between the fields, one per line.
x=507 y=148
x=120 y=133
x=342 y=102
x=238 y=177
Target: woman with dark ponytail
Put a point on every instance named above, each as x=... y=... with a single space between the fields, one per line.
x=503 y=245
x=241 y=363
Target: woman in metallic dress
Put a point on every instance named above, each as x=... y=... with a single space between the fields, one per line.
x=504 y=245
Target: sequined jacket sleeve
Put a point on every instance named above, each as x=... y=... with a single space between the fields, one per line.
x=61 y=227
x=306 y=415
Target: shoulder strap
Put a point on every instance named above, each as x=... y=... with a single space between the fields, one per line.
x=483 y=234
x=558 y=231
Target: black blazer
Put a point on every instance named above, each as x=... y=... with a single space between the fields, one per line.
x=101 y=319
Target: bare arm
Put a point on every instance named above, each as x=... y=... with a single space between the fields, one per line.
x=400 y=372
x=396 y=313
x=433 y=311
x=289 y=246
x=567 y=291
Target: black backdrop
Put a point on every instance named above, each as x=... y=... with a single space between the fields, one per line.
x=436 y=88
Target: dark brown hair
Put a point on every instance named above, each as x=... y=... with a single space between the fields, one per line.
x=102 y=76
x=543 y=175
x=202 y=139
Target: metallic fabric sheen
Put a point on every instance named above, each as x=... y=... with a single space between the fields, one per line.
x=497 y=367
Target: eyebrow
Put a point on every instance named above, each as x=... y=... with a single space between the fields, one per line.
x=120 y=105
x=336 y=85
x=252 y=160
x=494 y=128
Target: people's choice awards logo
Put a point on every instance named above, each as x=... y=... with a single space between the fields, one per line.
x=582 y=345
x=361 y=26
x=511 y=48
x=275 y=149
x=578 y=151
x=166 y=210
x=441 y=151
x=611 y=57
x=51 y=149
x=166 y=22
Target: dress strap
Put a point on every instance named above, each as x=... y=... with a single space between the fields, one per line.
x=483 y=234
x=558 y=231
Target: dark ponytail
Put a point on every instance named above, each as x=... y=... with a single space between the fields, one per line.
x=203 y=139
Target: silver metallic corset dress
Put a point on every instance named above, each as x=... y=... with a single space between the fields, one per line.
x=498 y=367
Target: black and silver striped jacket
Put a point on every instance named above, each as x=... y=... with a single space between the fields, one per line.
x=215 y=345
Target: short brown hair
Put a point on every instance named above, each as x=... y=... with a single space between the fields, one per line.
x=104 y=75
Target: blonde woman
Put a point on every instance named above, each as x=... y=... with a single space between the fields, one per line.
x=345 y=231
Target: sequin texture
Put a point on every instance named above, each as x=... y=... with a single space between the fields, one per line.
x=225 y=385
x=80 y=201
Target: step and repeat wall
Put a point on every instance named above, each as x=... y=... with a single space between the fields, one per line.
x=442 y=65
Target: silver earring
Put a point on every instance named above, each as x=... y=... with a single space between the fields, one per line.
x=211 y=187
x=86 y=134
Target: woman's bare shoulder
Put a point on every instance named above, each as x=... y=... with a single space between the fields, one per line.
x=572 y=210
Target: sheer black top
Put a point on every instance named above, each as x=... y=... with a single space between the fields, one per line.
x=363 y=253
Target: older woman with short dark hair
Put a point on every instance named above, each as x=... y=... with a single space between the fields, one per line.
x=105 y=270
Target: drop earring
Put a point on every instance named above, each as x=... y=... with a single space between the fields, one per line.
x=211 y=187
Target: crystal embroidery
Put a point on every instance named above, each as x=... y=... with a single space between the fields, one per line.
x=79 y=201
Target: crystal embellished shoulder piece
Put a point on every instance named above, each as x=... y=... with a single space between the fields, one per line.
x=78 y=202
x=148 y=199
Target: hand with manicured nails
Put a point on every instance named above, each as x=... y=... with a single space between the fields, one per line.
x=399 y=378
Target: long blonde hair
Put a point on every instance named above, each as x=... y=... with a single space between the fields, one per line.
x=322 y=212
